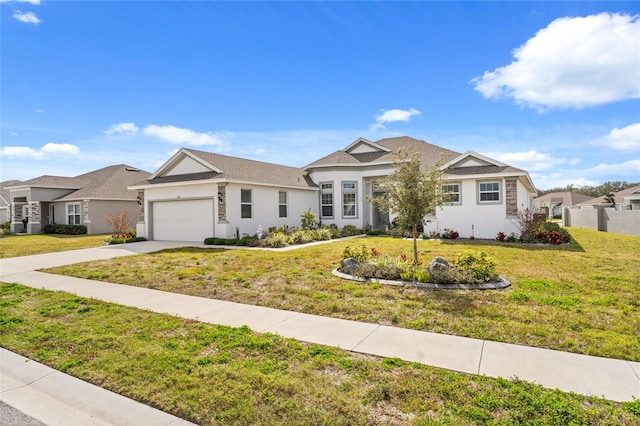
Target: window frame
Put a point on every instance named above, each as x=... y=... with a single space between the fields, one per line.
x=282 y=204
x=327 y=189
x=493 y=191
x=244 y=203
x=449 y=193
x=351 y=192
x=68 y=214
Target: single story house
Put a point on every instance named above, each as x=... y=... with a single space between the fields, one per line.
x=553 y=203
x=627 y=199
x=197 y=194
x=5 y=199
x=82 y=200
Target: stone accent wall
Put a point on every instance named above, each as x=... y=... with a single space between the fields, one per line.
x=141 y=206
x=85 y=211
x=511 y=197
x=222 y=206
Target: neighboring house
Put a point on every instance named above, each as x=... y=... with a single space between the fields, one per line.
x=5 y=207
x=627 y=199
x=553 y=203
x=82 y=200
x=197 y=194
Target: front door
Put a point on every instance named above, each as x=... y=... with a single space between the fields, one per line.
x=380 y=219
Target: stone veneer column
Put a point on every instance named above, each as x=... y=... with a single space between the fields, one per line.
x=141 y=207
x=86 y=221
x=34 y=227
x=222 y=205
x=511 y=197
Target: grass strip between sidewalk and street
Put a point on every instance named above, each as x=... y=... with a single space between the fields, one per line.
x=212 y=374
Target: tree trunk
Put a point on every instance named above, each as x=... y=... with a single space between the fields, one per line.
x=414 y=234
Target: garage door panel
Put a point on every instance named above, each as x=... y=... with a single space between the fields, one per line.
x=184 y=220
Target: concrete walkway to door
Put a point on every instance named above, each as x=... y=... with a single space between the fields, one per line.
x=614 y=379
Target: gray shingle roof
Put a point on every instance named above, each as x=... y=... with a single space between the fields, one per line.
x=4 y=191
x=111 y=182
x=242 y=169
x=107 y=183
x=429 y=154
x=565 y=198
x=618 y=197
x=481 y=170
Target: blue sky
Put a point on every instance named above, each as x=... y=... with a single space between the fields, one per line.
x=552 y=87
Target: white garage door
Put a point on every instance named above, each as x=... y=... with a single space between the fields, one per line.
x=188 y=220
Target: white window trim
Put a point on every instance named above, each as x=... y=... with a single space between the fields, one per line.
x=500 y=196
x=79 y=214
x=333 y=200
x=243 y=203
x=353 y=191
x=285 y=204
x=459 y=192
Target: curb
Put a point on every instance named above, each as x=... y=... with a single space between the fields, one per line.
x=493 y=285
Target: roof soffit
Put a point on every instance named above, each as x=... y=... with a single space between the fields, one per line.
x=471 y=159
x=362 y=146
x=173 y=165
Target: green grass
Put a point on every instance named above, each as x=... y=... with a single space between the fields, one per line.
x=24 y=245
x=583 y=297
x=231 y=376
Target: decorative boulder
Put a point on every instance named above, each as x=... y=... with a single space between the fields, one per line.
x=349 y=265
x=438 y=264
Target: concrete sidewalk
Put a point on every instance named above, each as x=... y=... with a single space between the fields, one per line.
x=618 y=380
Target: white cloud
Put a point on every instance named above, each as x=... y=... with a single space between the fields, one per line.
x=176 y=135
x=26 y=17
x=391 y=115
x=572 y=63
x=531 y=160
x=33 y=2
x=127 y=129
x=625 y=139
x=38 y=154
x=60 y=148
x=13 y=134
x=20 y=152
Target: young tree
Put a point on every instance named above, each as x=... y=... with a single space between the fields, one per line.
x=410 y=193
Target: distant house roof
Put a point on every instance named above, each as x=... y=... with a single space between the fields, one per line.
x=107 y=183
x=566 y=199
x=4 y=191
x=619 y=197
x=228 y=168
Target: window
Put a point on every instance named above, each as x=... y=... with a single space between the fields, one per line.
x=73 y=214
x=489 y=191
x=245 y=204
x=326 y=199
x=453 y=191
x=349 y=195
x=282 y=204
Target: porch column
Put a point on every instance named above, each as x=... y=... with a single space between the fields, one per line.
x=16 y=216
x=86 y=220
x=140 y=230
x=34 y=226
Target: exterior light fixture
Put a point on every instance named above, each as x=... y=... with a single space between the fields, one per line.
x=139 y=200
x=220 y=197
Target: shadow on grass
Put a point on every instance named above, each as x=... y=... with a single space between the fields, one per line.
x=573 y=246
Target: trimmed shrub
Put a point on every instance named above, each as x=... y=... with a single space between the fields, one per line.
x=55 y=228
x=349 y=230
x=275 y=240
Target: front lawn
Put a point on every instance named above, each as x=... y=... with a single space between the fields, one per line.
x=221 y=375
x=583 y=297
x=14 y=245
